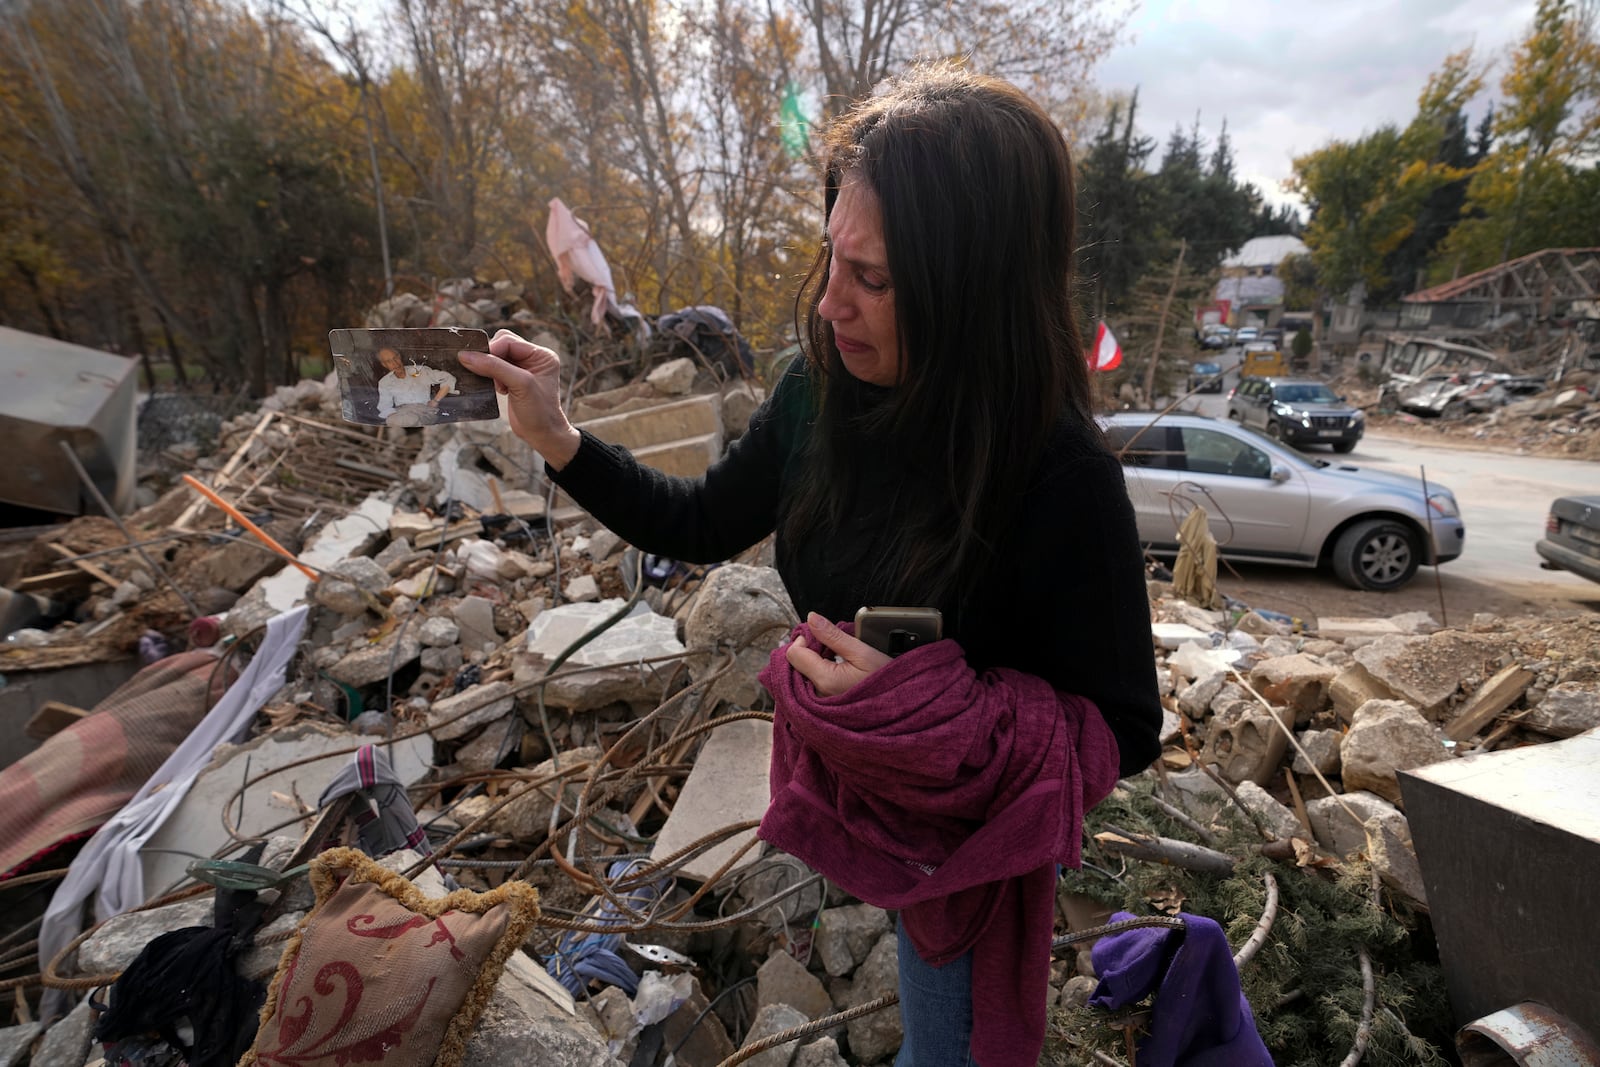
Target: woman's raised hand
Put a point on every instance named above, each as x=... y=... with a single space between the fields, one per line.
x=530 y=378
x=856 y=659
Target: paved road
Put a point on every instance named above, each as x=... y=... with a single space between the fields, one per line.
x=1503 y=498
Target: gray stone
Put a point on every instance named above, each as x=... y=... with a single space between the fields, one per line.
x=66 y=1044
x=1567 y=709
x=126 y=595
x=443 y=660
x=1195 y=792
x=1277 y=817
x=1345 y=836
x=374 y=663
x=123 y=937
x=475 y=616
x=729 y=783
x=738 y=607
x=1395 y=858
x=1250 y=747
x=581 y=590
x=772 y=1019
x=739 y=402
x=527 y=818
x=1195 y=701
x=1323 y=748
x=784 y=980
x=876 y=1036
x=1352 y=688
x=393 y=552
x=673 y=378
x=1427 y=671
x=611 y=1013
x=823 y=1052
x=1387 y=736
x=481 y=754
x=491 y=701
x=339 y=596
x=641 y=635
x=698 y=1034
x=438 y=632
x=522 y=1024
x=1298 y=681
x=1077 y=990
x=602 y=543
x=15 y=1042
x=364 y=573
x=845 y=935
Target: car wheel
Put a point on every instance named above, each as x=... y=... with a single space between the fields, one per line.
x=1377 y=555
x=1275 y=431
x=1342 y=447
x=1233 y=413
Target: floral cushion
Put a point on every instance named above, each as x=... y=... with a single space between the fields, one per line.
x=378 y=972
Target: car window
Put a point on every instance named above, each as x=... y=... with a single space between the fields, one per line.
x=1149 y=448
x=1213 y=452
x=1306 y=394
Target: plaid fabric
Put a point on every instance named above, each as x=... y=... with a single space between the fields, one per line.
x=82 y=776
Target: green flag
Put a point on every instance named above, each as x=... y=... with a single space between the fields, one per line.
x=792 y=124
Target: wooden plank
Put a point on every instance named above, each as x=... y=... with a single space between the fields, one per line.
x=51 y=719
x=1492 y=697
x=225 y=475
x=82 y=564
x=52 y=580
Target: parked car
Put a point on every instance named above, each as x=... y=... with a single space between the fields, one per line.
x=1216 y=336
x=1300 y=411
x=1267 y=503
x=1245 y=334
x=1205 y=378
x=1572 y=536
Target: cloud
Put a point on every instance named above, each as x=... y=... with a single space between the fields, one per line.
x=1289 y=77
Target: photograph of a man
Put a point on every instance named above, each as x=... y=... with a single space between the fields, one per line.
x=409 y=395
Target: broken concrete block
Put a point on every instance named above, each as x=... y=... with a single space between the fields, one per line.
x=674 y=377
x=15 y=1042
x=277 y=798
x=739 y=402
x=1202 y=619
x=442 y=661
x=1258 y=625
x=1567 y=709
x=66 y=1044
x=650 y=428
x=1195 y=701
x=340 y=540
x=774 y=1019
x=602 y=543
x=1198 y=659
x=581 y=590
x=1250 y=747
x=475 y=616
x=362 y=572
x=823 y=1052
x=1174 y=635
x=610 y=1012
x=1353 y=687
x=877 y=1035
x=729 y=783
x=845 y=936
x=696 y=1032
x=1274 y=815
x=1299 y=682
x=482 y=753
x=738 y=607
x=641 y=635
x=374 y=663
x=1323 y=748
x=523 y=1023
x=1195 y=792
x=527 y=818
x=1387 y=736
x=1395 y=859
x=397 y=549
x=784 y=980
x=339 y=596
x=1342 y=629
x=487 y=703
x=126 y=594
x=1427 y=671
x=1345 y=834
x=438 y=632
x=123 y=937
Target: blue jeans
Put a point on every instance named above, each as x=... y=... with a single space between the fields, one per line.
x=935 y=1010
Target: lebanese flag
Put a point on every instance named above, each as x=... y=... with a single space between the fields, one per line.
x=1106 y=354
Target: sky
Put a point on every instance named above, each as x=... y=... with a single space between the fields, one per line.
x=1289 y=75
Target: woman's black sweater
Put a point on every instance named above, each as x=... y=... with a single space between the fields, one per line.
x=1063 y=599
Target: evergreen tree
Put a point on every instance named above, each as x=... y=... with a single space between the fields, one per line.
x=1117 y=210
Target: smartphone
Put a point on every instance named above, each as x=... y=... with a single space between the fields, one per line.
x=896 y=630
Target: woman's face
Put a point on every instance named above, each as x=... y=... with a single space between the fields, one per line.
x=391 y=361
x=859 y=301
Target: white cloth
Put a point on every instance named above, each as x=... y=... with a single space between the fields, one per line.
x=420 y=385
x=578 y=256
x=109 y=867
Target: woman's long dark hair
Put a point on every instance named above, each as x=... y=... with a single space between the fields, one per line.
x=976 y=188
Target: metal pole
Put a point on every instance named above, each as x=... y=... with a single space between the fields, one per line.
x=111 y=513
x=1433 y=550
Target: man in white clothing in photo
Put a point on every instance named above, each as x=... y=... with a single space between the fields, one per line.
x=410 y=396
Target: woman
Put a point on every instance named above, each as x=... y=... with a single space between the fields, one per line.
x=936 y=448
x=410 y=396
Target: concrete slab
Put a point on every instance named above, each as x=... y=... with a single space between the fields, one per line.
x=1175 y=634
x=729 y=784
x=339 y=540
x=694 y=416
x=196 y=826
x=641 y=635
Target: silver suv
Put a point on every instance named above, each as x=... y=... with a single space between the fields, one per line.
x=1301 y=411
x=1268 y=503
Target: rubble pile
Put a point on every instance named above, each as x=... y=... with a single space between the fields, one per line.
x=557 y=707
x=1563 y=421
